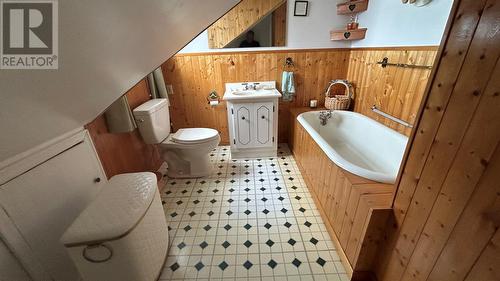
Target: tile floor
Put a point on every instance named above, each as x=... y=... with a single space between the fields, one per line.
x=252 y=219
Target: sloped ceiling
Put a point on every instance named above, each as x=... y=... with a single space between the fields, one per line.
x=105 y=47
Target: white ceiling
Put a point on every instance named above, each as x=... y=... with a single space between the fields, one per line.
x=105 y=47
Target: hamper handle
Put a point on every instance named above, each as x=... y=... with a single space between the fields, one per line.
x=94 y=260
x=346 y=84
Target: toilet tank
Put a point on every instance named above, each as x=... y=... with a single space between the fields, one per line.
x=153 y=120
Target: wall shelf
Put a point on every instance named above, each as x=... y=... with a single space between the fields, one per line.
x=348 y=35
x=352 y=7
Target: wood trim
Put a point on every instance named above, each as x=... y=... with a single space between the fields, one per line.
x=298 y=50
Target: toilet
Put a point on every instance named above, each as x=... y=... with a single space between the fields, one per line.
x=185 y=151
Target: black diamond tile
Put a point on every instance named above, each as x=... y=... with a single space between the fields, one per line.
x=261 y=180
x=247 y=180
x=233 y=173
x=226 y=244
x=294 y=187
x=291 y=241
x=264 y=199
x=247 y=226
x=265 y=211
x=187 y=228
x=233 y=166
x=202 y=182
x=321 y=261
x=276 y=179
x=314 y=241
x=308 y=224
x=204 y=244
x=174 y=266
x=281 y=198
x=199 y=266
x=247 y=200
x=221 y=166
x=247 y=212
x=229 y=212
x=199 y=191
x=274 y=171
x=302 y=209
x=207 y=227
x=270 y=243
x=290 y=178
x=287 y=224
x=168 y=192
x=272 y=264
x=247 y=264
x=262 y=189
x=227 y=227
x=173 y=215
x=246 y=166
x=192 y=214
x=260 y=165
x=210 y=213
x=247 y=189
x=196 y=201
x=248 y=243
x=219 y=173
x=278 y=188
x=298 y=197
x=230 y=200
x=260 y=172
x=173 y=183
x=296 y=262
x=232 y=181
x=284 y=210
x=213 y=201
x=217 y=181
x=267 y=225
x=223 y=265
x=184 y=191
x=179 y=202
x=246 y=173
x=181 y=245
x=215 y=190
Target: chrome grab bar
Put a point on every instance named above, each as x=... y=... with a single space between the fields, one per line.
x=388 y=116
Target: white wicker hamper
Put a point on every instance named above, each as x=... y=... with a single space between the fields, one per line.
x=122 y=235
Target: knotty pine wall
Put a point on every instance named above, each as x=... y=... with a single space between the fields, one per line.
x=447 y=207
x=399 y=91
x=125 y=152
x=395 y=90
x=193 y=76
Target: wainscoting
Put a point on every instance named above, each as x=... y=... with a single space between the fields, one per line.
x=395 y=90
x=126 y=152
x=447 y=207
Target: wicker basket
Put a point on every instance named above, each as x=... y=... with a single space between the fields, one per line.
x=338 y=102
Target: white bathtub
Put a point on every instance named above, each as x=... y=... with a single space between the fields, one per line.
x=358 y=144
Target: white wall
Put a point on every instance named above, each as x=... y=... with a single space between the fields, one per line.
x=391 y=23
x=105 y=47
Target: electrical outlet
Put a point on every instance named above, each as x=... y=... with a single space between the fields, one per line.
x=170 y=89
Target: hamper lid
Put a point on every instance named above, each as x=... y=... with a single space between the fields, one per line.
x=115 y=211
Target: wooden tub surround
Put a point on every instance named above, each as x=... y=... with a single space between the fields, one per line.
x=354 y=209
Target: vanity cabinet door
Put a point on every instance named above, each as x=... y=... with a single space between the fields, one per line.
x=243 y=124
x=264 y=124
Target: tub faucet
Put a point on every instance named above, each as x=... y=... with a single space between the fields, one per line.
x=324 y=116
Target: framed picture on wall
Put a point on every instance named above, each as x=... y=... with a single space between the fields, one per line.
x=300 y=9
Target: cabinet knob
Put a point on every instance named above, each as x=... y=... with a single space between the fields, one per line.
x=96 y=180
x=243 y=118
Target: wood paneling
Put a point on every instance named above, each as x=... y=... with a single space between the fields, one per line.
x=126 y=152
x=446 y=210
x=395 y=90
x=355 y=209
x=194 y=76
x=279 y=26
x=238 y=20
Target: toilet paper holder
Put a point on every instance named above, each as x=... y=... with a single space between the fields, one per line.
x=212 y=97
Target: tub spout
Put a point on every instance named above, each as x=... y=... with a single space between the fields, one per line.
x=324 y=116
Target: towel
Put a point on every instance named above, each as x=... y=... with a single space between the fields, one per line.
x=119 y=117
x=157 y=85
x=287 y=85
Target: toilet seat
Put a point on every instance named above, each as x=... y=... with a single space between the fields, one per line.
x=194 y=135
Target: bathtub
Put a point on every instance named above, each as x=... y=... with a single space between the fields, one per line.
x=358 y=144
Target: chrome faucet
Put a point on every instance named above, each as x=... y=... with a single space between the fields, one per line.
x=324 y=116
x=253 y=86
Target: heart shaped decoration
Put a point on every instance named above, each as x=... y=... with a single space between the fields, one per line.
x=352 y=7
x=347 y=34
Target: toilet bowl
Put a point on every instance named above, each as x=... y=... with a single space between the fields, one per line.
x=185 y=151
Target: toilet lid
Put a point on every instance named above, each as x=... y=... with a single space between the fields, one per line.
x=194 y=135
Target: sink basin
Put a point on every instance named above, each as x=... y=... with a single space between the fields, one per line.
x=264 y=91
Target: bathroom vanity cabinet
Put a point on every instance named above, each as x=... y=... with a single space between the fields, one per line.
x=252 y=110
